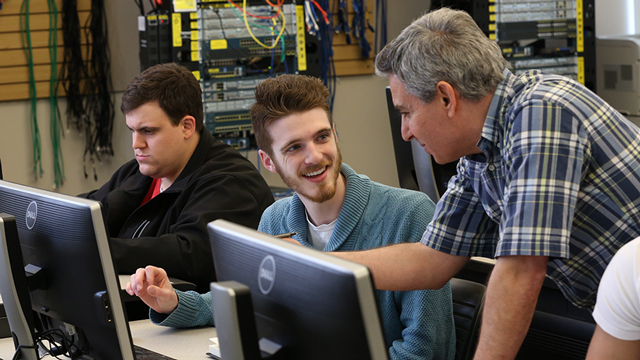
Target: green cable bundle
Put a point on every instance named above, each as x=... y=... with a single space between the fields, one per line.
x=55 y=126
x=35 y=132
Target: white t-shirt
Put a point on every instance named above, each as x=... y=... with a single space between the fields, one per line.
x=617 y=309
x=321 y=234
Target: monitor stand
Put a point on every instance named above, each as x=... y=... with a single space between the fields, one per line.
x=236 y=324
x=15 y=291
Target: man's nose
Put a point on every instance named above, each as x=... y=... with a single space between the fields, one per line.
x=313 y=154
x=404 y=130
x=137 y=141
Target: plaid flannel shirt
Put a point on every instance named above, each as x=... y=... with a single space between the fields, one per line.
x=559 y=176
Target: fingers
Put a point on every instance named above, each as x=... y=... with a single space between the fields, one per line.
x=156 y=276
x=137 y=282
x=149 y=277
x=159 y=292
x=143 y=278
x=162 y=300
x=129 y=289
x=153 y=287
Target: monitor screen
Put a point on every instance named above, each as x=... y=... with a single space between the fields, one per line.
x=76 y=288
x=311 y=304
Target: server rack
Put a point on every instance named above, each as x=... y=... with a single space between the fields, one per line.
x=230 y=58
x=553 y=36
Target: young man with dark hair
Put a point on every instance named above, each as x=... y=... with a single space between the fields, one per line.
x=333 y=209
x=157 y=206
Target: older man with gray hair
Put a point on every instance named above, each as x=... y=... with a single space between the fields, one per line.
x=548 y=180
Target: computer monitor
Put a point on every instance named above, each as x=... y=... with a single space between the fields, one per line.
x=416 y=169
x=15 y=291
x=308 y=304
x=78 y=288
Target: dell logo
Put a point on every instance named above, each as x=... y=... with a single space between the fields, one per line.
x=32 y=214
x=267 y=274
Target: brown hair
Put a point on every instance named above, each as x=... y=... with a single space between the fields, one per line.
x=174 y=88
x=283 y=96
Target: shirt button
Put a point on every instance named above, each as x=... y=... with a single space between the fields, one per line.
x=491 y=167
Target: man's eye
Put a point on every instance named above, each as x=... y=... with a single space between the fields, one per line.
x=323 y=137
x=293 y=148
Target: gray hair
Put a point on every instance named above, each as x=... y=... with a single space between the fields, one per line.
x=443 y=45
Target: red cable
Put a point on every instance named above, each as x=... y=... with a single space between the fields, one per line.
x=280 y=3
x=324 y=13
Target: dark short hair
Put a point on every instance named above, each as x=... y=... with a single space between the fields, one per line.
x=174 y=88
x=283 y=96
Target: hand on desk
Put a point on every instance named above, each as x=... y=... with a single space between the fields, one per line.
x=152 y=286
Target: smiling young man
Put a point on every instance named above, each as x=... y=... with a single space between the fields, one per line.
x=157 y=206
x=333 y=209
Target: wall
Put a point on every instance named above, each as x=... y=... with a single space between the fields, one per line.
x=617 y=17
x=360 y=114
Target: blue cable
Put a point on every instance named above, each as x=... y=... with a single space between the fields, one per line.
x=343 y=20
x=381 y=25
x=318 y=20
x=325 y=37
x=359 y=26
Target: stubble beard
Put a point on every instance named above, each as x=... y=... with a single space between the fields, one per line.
x=326 y=189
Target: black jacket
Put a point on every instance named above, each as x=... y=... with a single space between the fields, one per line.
x=170 y=231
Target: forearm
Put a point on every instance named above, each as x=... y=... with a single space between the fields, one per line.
x=510 y=302
x=193 y=310
x=604 y=347
x=408 y=266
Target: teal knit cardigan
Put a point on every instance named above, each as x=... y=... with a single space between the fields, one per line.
x=417 y=324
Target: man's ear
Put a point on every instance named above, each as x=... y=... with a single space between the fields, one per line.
x=448 y=96
x=267 y=161
x=188 y=124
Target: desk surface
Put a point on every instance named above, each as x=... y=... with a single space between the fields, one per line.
x=180 y=344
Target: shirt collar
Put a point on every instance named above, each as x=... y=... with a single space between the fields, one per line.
x=492 y=131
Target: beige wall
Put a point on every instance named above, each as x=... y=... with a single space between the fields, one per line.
x=360 y=113
x=16 y=150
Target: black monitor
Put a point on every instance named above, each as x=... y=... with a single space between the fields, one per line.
x=76 y=289
x=416 y=169
x=15 y=291
x=306 y=304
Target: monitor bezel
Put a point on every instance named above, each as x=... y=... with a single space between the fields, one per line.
x=362 y=276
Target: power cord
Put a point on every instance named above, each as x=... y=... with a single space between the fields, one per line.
x=99 y=89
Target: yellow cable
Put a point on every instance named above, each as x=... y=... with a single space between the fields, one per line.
x=246 y=23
